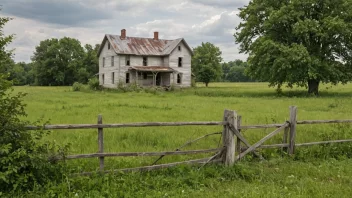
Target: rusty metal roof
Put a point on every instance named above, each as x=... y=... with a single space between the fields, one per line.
x=152 y=69
x=142 y=46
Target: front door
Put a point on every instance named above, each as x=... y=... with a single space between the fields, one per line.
x=158 y=79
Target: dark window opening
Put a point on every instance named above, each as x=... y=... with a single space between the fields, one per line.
x=180 y=62
x=145 y=61
x=104 y=62
x=103 y=79
x=127 y=60
x=109 y=46
x=113 y=78
x=179 y=48
x=127 y=78
x=112 y=61
x=179 y=78
x=145 y=76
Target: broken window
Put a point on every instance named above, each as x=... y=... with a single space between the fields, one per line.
x=112 y=61
x=179 y=78
x=127 y=78
x=113 y=78
x=104 y=62
x=179 y=48
x=103 y=79
x=145 y=61
x=180 y=61
x=127 y=60
x=109 y=46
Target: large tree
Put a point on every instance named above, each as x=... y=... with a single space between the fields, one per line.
x=298 y=42
x=58 y=61
x=206 y=63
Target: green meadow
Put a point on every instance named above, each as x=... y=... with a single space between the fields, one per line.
x=318 y=171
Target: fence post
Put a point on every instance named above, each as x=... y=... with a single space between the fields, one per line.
x=293 y=123
x=238 y=143
x=228 y=157
x=101 y=143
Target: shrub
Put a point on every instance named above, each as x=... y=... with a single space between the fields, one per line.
x=24 y=157
x=94 y=84
x=77 y=86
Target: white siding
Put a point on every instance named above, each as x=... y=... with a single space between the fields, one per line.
x=108 y=69
x=186 y=56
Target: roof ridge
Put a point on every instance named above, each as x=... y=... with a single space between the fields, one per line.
x=142 y=37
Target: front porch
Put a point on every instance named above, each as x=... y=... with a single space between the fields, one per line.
x=152 y=75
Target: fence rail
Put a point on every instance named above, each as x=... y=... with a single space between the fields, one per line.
x=228 y=153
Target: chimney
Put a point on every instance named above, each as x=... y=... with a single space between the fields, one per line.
x=156 y=35
x=123 y=34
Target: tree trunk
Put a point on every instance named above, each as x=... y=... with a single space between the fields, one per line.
x=313 y=86
x=206 y=84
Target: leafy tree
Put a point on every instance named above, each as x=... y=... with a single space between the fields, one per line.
x=234 y=71
x=91 y=61
x=6 y=63
x=57 y=61
x=299 y=42
x=206 y=63
x=24 y=159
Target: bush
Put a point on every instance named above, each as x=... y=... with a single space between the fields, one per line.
x=77 y=86
x=24 y=157
x=94 y=84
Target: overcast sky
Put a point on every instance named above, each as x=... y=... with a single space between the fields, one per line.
x=88 y=20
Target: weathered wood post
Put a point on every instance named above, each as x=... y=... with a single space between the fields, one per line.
x=238 y=142
x=101 y=143
x=228 y=157
x=293 y=123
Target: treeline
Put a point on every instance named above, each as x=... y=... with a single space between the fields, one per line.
x=234 y=71
x=56 y=62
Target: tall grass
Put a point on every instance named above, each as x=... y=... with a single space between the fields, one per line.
x=256 y=102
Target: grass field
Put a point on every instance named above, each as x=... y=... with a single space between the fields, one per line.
x=313 y=172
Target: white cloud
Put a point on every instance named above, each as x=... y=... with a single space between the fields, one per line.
x=195 y=20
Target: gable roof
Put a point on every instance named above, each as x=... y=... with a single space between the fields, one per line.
x=142 y=46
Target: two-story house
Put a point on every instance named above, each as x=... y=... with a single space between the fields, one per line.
x=145 y=61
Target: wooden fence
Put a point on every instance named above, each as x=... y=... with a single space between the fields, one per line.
x=234 y=145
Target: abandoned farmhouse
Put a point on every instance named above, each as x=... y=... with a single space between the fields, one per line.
x=145 y=61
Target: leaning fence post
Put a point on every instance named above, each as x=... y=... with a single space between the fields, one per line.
x=101 y=143
x=293 y=123
x=230 y=117
x=238 y=143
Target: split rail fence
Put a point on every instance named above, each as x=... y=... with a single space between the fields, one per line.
x=234 y=144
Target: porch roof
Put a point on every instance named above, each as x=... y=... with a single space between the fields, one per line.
x=152 y=69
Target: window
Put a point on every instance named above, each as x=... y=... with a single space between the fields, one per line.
x=112 y=61
x=145 y=61
x=179 y=48
x=127 y=60
x=104 y=62
x=180 y=61
x=179 y=78
x=113 y=78
x=103 y=79
x=145 y=76
x=127 y=78
x=109 y=46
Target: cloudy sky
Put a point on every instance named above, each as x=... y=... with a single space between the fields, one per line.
x=88 y=20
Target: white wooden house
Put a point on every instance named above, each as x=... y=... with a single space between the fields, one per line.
x=145 y=61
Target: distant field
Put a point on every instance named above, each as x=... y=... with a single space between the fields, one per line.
x=256 y=102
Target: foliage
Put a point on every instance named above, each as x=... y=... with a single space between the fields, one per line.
x=24 y=160
x=77 y=86
x=64 y=61
x=5 y=56
x=234 y=71
x=206 y=63
x=297 y=42
x=94 y=84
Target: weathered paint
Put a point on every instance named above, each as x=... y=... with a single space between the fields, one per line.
x=171 y=60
